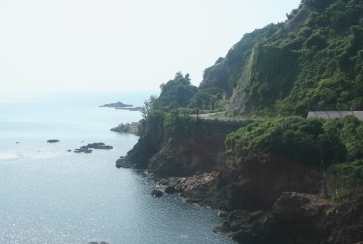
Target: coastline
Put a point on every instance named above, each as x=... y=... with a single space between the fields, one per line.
x=284 y=202
x=87 y=190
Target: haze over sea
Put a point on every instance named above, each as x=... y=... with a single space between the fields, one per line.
x=50 y=195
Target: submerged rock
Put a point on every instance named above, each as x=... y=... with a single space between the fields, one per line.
x=157 y=193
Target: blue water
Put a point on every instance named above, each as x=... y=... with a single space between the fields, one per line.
x=50 y=195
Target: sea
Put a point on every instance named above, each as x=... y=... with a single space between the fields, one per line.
x=49 y=194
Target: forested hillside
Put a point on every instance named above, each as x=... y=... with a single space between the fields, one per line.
x=314 y=58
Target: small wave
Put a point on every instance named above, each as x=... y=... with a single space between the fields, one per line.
x=183 y=237
x=8 y=155
x=43 y=155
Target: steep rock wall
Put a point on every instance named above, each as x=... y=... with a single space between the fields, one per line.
x=239 y=100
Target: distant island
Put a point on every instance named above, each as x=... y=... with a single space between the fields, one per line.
x=116 y=105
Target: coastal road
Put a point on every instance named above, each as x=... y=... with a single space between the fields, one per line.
x=209 y=116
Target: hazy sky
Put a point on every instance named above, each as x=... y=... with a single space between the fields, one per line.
x=121 y=45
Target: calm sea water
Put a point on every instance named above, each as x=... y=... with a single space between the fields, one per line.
x=50 y=195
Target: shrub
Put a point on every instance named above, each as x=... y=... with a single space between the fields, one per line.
x=177 y=126
x=296 y=138
x=316 y=40
x=349 y=175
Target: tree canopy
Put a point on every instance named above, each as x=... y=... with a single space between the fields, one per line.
x=178 y=90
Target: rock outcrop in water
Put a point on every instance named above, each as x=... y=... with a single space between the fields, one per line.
x=96 y=145
x=53 y=141
x=83 y=149
x=99 y=145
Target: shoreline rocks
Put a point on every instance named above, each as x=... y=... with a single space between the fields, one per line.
x=294 y=218
x=170 y=190
x=123 y=163
x=181 y=184
x=157 y=193
x=131 y=128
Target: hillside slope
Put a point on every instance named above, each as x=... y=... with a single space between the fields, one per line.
x=313 y=59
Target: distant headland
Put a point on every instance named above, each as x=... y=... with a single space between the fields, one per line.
x=116 y=105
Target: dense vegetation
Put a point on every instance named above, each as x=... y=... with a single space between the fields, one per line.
x=166 y=113
x=179 y=91
x=179 y=95
x=332 y=145
x=299 y=139
x=177 y=99
x=315 y=58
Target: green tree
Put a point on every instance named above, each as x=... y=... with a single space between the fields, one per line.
x=149 y=106
x=179 y=90
x=209 y=95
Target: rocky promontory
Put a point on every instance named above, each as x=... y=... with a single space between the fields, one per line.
x=131 y=128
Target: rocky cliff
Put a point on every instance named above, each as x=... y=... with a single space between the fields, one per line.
x=269 y=198
x=164 y=156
